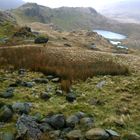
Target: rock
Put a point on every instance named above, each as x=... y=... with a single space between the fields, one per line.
x=54 y=134
x=50 y=77
x=26 y=126
x=8 y=93
x=131 y=136
x=86 y=122
x=21 y=71
x=97 y=134
x=74 y=135
x=101 y=84
x=57 y=121
x=55 y=80
x=24 y=32
x=70 y=97
x=90 y=33
x=27 y=84
x=41 y=39
x=41 y=80
x=80 y=115
x=67 y=45
x=7 y=136
x=59 y=92
x=92 y=46
x=5 y=114
x=45 y=96
x=38 y=117
x=45 y=127
x=65 y=131
x=21 y=108
x=113 y=135
x=72 y=120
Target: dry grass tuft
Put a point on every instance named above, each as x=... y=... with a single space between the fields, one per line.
x=68 y=64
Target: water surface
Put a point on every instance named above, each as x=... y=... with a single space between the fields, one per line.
x=110 y=35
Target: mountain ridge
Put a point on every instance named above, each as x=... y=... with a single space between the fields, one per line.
x=65 y=17
x=122 y=11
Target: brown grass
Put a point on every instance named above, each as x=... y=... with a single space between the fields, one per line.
x=67 y=63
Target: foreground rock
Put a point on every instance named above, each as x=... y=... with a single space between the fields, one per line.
x=57 y=121
x=26 y=126
x=74 y=135
x=40 y=40
x=71 y=97
x=97 y=134
x=86 y=122
x=5 y=114
x=72 y=121
x=45 y=96
x=8 y=93
x=21 y=108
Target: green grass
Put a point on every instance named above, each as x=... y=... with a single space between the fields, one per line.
x=117 y=93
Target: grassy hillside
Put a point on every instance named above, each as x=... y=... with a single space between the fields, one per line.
x=7 y=24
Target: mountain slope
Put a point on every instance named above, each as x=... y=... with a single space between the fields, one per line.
x=65 y=17
x=124 y=11
x=10 y=4
x=7 y=24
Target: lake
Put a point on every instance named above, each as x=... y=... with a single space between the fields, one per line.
x=110 y=35
x=114 y=38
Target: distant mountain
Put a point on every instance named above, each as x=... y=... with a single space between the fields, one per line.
x=68 y=18
x=124 y=11
x=10 y=4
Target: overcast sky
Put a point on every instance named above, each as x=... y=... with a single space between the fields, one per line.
x=97 y=4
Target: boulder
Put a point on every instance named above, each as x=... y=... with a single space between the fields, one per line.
x=97 y=134
x=54 y=135
x=45 y=96
x=57 y=121
x=59 y=92
x=5 y=114
x=45 y=127
x=70 y=97
x=74 y=135
x=27 y=84
x=50 y=77
x=72 y=120
x=86 y=122
x=27 y=126
x=101 y=84
x=8 y=93
x=55 y=80
x=41 y=80
x=80 y=115
x=41 y=39
x=67 y=45
x=113 y=135
x=21 y=71
x=21 y=107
